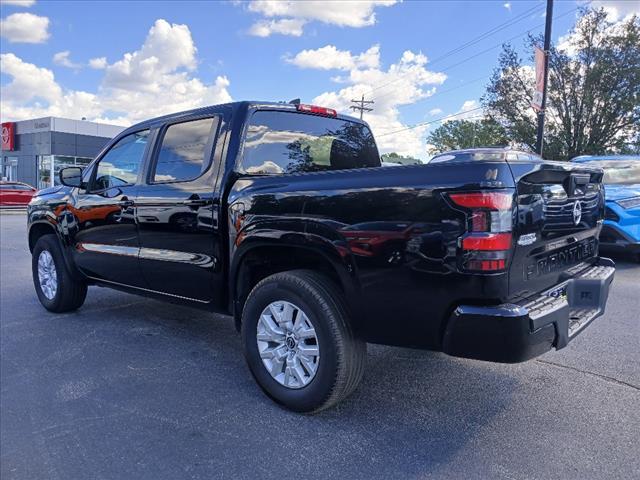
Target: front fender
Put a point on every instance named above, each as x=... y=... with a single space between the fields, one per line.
x=53 y=217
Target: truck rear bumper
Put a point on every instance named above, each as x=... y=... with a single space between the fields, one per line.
x=511 y=333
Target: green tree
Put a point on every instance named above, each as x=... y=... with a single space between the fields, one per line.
x=394 y=157
x=458 y=134
x=593 y=95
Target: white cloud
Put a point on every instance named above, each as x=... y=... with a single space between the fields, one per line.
x=98 y=63
x=285 y=26
x=28 y=81
x=33 y=92
x=435 y=111
x=156 y=79
x=507 y=6
x=62 y=59
x=617 y=13
x=468 y=111
x=408 y=80
x=330 y=58
x=25 y=28
x=288 y=17
x=167 y=48
x=18 y=3
x=617 y=9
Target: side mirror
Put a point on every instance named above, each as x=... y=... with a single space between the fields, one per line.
x=71 y=176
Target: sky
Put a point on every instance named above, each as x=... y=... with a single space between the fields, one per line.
x=123 y=62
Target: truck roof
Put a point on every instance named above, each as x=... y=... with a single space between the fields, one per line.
x=235 y=106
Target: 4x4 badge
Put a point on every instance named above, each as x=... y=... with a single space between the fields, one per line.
x=527 y=239
x=577 y=212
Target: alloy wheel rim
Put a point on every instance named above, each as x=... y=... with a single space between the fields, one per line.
x=288 y=344
x=47 y=275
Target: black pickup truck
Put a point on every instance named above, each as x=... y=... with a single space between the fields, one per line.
x=282 y=216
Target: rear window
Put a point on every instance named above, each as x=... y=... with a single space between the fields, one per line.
x=288 y=142
x=185 y=150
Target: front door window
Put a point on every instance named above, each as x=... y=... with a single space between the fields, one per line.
x=121 y=164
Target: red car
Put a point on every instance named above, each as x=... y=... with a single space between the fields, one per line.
x=13 y=194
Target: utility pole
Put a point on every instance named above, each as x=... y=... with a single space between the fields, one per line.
x=547 y=47
x=360 y=105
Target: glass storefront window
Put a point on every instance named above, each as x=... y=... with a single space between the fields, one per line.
x=44 y=171
x=10 y=169
x=60 y=162
x=49 y=167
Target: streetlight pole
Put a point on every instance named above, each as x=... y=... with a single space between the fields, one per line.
x=547 y=47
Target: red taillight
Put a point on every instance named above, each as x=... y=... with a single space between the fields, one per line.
x=490 y=200
x=486 y=265
x=485 y=246
x=487 y=241
x=329 y=112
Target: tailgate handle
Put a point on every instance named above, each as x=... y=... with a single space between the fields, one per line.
x=577 y=180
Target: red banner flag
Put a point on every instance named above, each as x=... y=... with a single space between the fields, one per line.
x=537 y=94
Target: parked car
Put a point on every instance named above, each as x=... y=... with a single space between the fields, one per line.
x=621 y=230
x=475 y=270
x=485 y=154
x=14 y=194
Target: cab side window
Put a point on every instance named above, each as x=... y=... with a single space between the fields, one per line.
x=121 y=164
x=185 y=151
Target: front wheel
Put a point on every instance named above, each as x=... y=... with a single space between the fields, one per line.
x=57 y=290
x=298 y=342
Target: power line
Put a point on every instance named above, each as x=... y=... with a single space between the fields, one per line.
x=422 y=124
x=471 y=42
x=360 y=105
x=486 y=50
x=441 y=92
x=487 y=34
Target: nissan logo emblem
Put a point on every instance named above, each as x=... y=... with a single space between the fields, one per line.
x=577 y=212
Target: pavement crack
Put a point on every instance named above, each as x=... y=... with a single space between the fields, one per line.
x=599 y=375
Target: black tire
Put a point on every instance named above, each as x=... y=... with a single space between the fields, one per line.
x=70 y=293
x=342 y=354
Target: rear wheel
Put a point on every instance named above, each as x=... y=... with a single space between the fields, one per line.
x=57 y=290
x=298 y=342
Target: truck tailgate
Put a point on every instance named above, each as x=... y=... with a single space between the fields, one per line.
x=560 y=207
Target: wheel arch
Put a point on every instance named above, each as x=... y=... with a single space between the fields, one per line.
x=37 y=230
x=254 y=262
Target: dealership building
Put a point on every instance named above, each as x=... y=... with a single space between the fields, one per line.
x=34 y=151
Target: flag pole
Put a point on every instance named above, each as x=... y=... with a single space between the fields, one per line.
x=547 y=47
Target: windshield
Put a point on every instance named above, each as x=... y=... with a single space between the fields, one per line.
x=618 y=172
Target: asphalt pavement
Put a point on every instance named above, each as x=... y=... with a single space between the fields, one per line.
x=131 y=388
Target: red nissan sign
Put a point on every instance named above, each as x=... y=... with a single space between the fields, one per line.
x=8 y=135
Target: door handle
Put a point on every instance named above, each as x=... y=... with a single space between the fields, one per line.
x=201 y=202
x=125 y=203
x=197 y=202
